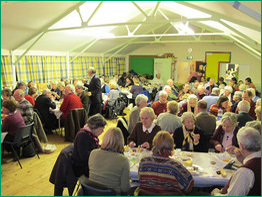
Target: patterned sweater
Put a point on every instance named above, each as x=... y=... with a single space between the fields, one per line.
x=164 y=175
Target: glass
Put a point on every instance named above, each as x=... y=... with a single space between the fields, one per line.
x=211 y=151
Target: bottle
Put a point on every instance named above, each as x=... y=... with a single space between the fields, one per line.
x=219 y=114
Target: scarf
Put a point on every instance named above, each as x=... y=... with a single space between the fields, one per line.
x=91 y=135
x=188 y=140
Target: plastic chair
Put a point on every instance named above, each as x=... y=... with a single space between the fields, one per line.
x=22 y=138
x=90 y=188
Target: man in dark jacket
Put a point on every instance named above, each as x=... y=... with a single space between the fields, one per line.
x=94 y=92
x=43 y=104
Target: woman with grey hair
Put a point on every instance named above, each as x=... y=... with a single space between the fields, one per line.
x=169 y=121
x=141 y=102
x=85 y=141
x=115 y=174
x=190 y=105
x=189 y=137
x=160 y=105
x=236 y=99
x=144 y=131
x=224 y=138
x=256 y=124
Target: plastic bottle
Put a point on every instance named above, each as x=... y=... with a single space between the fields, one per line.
x=219 y=114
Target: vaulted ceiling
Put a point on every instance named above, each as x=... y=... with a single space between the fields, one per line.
x=119 y=27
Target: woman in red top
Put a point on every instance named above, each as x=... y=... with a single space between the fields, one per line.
x=222 y=103
x=31 y=96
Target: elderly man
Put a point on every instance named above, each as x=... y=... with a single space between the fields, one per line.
x=83 y=96
x=94 y=92
x=161 y=105
x=157 y=81
x=247 y=96
x=212 y=98
x=168 y=90
x=71 y=101
x=246 y=181
x=243 y=116
x=212 y=84
x=174 y=89
x=24 y=106
x=202 y=118
x=43 y=104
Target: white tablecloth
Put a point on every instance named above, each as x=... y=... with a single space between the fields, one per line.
x=207 y=176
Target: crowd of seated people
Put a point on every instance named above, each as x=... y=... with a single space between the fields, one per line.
x=183 y=117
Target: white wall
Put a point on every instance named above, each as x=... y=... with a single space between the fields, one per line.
x=238 y=55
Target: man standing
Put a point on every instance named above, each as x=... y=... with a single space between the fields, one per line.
x=94 y=92
x=24 y=106
x=246 y=181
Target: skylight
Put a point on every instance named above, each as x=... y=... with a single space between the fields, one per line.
x=183 y=10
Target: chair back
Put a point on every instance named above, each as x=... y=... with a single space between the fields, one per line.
x=76 y=120
x=24 y=134
x=94 y=189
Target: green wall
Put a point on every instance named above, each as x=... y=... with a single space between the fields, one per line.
x=142 y=65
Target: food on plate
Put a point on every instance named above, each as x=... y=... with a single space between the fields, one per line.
x=188 y=163
x=126 y=147
x=223 y=172
x=226 y=160
x=195 y=168
x=185 y=158
x=187 y=154
x=213 y=162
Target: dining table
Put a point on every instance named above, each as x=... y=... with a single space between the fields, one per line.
x=205 y=169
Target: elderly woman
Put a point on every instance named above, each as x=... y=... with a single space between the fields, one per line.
x=31 y=96
x=190 y=105
x=85 y=141
x=13 y=120
x=228 y=92
x=258 y=113
x=201 y=92
x=169 y=121
x=160 y=105
x=116 y=173
x=189 y=137
x=141 y=102
x=222 y=103
x=144 y=132
x=61 y=87
x=254 y=124
x=224 y=138
x=136 y=88
x=6 y=94
x=175 y=179
x=236 y=99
